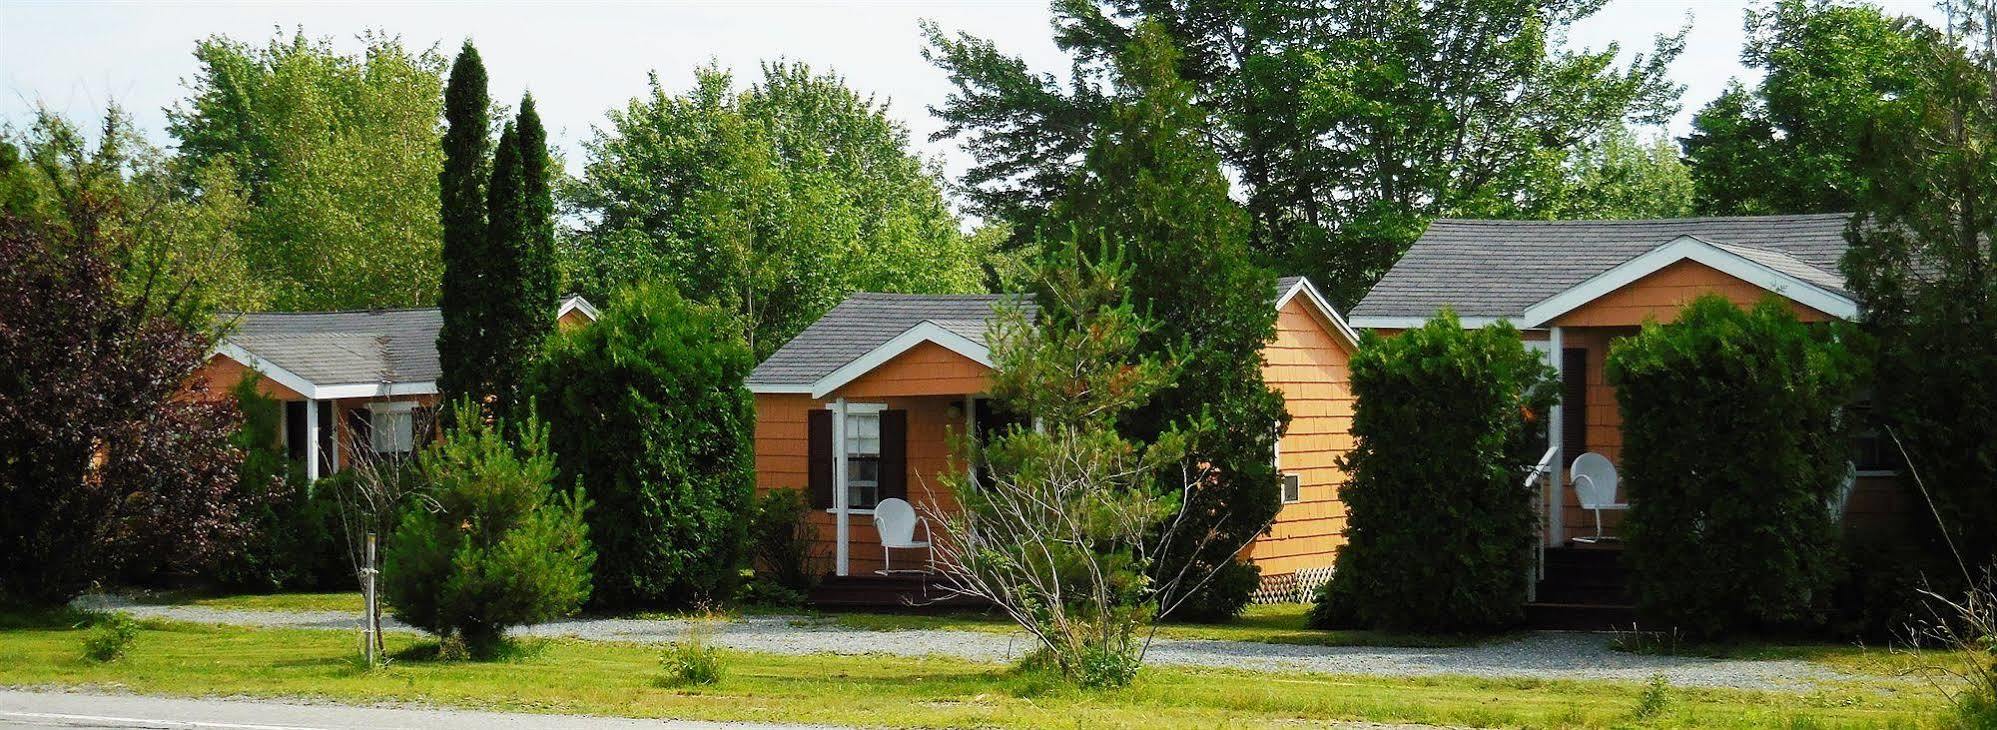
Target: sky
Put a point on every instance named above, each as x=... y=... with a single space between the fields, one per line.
x=581 y=60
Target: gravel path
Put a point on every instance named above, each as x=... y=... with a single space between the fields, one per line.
x=1540 y=655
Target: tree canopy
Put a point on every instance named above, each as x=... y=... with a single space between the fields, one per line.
x=1790 y=143
x=1347 y=125
x=772 y=202
x=335 y=154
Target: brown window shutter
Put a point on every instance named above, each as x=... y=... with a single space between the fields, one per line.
x=360 y=432
x=1573 y=403
x=818 y=432
x=894 y=455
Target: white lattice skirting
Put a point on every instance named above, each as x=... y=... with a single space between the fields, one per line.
x=1298 y=587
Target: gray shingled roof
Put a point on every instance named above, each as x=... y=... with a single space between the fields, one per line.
x=1484 y=268
x=866 y=321
x=344 y=348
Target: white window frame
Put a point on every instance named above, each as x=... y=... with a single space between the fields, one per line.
x=382 y=419
x=1283 y=477
x=840 y=484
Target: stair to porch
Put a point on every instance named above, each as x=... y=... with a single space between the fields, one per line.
x=1585 y=589
x=908 y=592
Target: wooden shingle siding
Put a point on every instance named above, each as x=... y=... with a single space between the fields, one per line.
x=926 y=369
x=1660 y=295
x=1309 y=365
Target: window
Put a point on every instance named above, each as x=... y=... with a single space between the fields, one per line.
x=863 y=459
x=1872 y=450
x=392 y=428
x=1292 y=489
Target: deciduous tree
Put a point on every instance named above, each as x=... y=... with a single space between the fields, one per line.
x=1348 y=124
x=773 y=202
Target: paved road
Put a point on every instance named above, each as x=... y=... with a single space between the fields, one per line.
x=19 y=709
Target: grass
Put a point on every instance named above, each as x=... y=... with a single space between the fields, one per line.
x=1280 y=623
x=343 y=601
x=619 y=679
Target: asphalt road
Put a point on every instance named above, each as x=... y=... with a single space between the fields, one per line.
x=19 y=709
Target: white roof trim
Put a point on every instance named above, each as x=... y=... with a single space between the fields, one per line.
x=1405 y=322
x=315 y=391
x=924 y=331
x=1316 y=298
x=1690 y=248
x=575 y=303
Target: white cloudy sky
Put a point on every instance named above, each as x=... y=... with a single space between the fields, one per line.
x=580 y=60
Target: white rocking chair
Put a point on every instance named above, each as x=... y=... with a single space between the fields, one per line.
x=1595 y=488
x=896 y=520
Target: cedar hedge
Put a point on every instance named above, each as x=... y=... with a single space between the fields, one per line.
x=1733 y=455
x=1440 y=523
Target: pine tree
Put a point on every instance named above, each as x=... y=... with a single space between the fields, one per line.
x=1152 y=183
x=461 y=343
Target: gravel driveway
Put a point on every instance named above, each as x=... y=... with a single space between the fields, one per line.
x=1539 y=655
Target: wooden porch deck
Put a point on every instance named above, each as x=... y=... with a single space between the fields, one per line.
x=914 y=592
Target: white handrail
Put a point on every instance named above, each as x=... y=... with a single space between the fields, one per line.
x=1545 y=465
x=1547 y=461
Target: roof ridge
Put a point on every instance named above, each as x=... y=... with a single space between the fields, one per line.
x=1638 y=221
x=385 y=310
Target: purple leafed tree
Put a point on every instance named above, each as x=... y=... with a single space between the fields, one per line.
x=110 y=454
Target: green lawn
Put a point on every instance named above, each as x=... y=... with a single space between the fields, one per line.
x=619 y=679
x=346 y=601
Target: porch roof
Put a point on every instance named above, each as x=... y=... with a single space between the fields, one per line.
x=1485 y=269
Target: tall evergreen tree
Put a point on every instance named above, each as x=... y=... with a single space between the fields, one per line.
x=504 y=285
x=537 y=261
x=467 y=140
x=1153 y=184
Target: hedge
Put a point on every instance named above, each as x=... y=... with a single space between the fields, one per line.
x=1440 y=524
x=1733 y=452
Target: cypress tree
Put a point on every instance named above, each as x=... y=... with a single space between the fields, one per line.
x=503 y=287
x=467 y=140
x=1153 y=183
x=537 y=259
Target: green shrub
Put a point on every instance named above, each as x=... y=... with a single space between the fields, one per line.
x=495 y=546
x=296 y=535
x=110 y=637
x=1224 y=595
x=1732 y=453
x=1441 y=525
x=782 y=542
x=653 y=418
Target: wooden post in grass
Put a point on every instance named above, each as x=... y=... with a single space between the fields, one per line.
x=372 y=632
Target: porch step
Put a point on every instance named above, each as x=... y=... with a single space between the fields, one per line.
x=902 y=592
x=1580 y=616
x=1585 y=589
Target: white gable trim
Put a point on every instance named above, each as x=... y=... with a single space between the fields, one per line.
x=925 y=331
x=577 y=304
x=1404 y=322
x=315 y=391
x=1324 y=308
x=1689 y=248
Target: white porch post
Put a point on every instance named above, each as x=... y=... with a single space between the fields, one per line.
x=311 y=439
x=971 y=434
x=1555 y=433
x=839 y=490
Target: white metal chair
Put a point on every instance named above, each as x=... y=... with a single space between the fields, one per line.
x=1595 y=487
x=896 y=520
